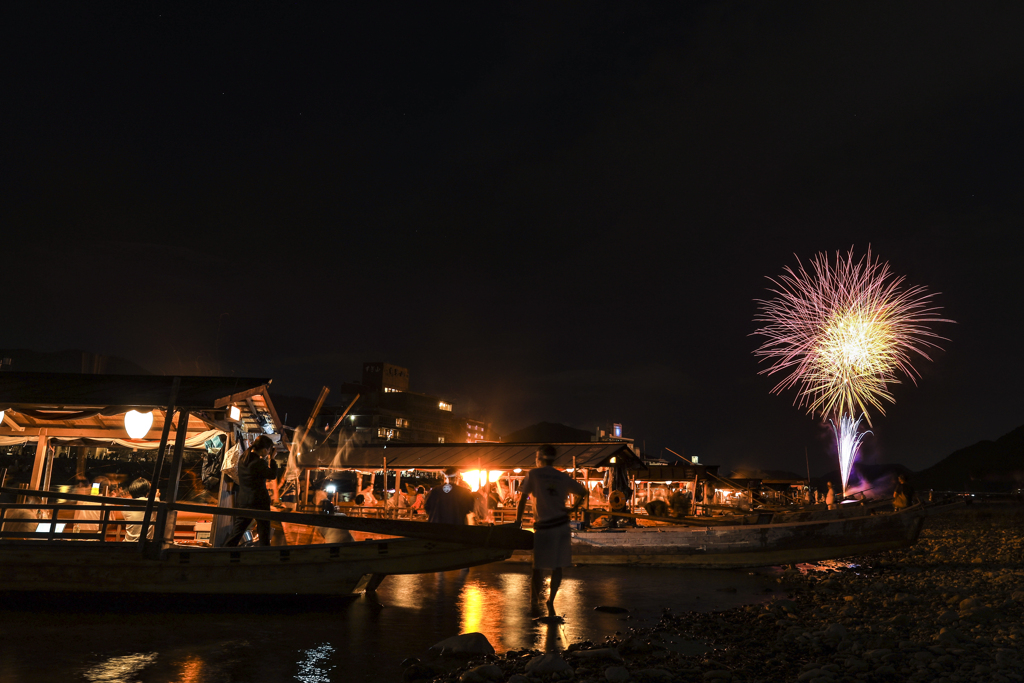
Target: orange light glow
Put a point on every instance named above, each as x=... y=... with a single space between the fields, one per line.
x=477 y=477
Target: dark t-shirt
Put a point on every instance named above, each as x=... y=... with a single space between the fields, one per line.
x=449 y=504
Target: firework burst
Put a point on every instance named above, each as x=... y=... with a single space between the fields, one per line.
x=842 y=334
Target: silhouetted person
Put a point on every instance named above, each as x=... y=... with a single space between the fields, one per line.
x=449 y=503
x=552 y=542
x=903 y=496
x=255 y=468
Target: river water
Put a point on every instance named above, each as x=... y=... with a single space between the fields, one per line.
x=316 y=641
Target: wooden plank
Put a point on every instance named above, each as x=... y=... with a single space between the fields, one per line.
x=504 y=536
x=40 y=462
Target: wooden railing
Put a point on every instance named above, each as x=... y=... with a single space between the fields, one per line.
x=504 y=536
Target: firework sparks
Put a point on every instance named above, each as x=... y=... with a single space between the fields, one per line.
x=848 y=438
x=842 y=334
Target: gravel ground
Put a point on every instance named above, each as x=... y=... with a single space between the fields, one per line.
x=946 y=610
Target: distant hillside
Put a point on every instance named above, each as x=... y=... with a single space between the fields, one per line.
x=987 y=466
x=71 y=360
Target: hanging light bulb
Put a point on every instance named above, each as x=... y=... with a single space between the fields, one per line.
x=138 y=424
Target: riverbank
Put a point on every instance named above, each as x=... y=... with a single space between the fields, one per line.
x=949 y=609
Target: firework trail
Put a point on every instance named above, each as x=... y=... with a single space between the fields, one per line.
x=841 y=334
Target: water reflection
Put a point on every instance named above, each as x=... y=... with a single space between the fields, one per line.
x=310 y=670
x=119 y=669
x=329 y=641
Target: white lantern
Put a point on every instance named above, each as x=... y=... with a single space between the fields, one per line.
x=2 y=416
x=138 y=424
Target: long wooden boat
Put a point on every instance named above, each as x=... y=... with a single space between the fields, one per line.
x=53 y=560
x=746 y=545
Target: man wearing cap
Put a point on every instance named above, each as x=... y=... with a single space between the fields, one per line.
x=552 y=537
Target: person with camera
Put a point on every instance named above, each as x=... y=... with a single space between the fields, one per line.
x=255 y=468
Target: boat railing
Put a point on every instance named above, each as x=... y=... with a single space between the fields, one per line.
x=506 y=536
x=52 y=520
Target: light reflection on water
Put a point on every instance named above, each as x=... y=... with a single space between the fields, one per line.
x=316 y=641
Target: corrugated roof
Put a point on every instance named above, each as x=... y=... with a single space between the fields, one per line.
x=72 y=390
x=497 y=456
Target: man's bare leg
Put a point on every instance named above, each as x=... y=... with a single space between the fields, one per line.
x=556 y=581
x=536 y=583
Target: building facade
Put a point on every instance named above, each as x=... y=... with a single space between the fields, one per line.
x=387 y=411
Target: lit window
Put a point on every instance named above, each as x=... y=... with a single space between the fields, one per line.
x=444 y=405
x=617 y=429
x=440 y=439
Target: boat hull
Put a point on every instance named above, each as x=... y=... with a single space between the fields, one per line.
x=326 y=569
x=727 y=547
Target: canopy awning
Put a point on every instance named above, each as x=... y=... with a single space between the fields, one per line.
x=490 y=456
x=69 y=405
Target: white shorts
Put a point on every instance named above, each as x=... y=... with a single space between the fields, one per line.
x=552 y=548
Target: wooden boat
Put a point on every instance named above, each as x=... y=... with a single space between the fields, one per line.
x=746 y=545
x=51 y=560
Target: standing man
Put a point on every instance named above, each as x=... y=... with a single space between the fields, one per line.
x=830 y=497
x=449 y=503
x=903 y=496
x=552 y=537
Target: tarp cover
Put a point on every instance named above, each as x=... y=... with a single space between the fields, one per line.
x=490 y=456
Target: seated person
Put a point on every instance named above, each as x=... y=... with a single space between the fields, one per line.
x=139 y=490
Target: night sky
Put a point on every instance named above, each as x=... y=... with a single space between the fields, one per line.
x=557 y=212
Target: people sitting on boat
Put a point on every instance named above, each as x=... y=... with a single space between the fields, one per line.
x=255 y=468
x=139 y=491
x=87 y=519
x=397 y=500
x=21 y=520
x=417 y=504
x=481 y=510
x=449 y=503
x=365 y=497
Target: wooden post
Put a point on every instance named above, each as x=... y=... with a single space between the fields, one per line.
x=385 y=482
x=587 y=484
x=174 y=476
x=51 y=455
x=40 y=461
x=155 y=481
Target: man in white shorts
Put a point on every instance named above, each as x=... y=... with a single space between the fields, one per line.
x=552 y=537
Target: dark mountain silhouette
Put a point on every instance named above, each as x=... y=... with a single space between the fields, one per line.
x=987 y=466
x=70 y=360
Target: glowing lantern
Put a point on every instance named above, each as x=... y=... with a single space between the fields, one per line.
x=2 y=416
x=138 y=424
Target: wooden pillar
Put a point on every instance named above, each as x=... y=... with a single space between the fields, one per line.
x=174 y=476
x=40 y=462
x=154 y=482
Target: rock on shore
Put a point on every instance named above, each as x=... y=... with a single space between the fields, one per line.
x=948 y=610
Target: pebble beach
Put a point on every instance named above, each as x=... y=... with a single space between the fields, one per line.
x=947 y=610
